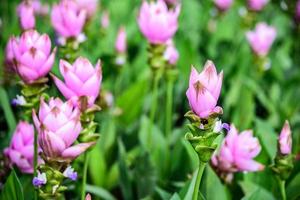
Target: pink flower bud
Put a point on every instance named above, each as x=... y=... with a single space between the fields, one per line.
x=9 y=54
x=90 y=6
x=297 y=14
x=171 y=54
x=237 y=152
x=39 y=8
x=285 y=139
x=32 y=55
x=26 y=15
x=105 y=19
x=223 y=5
x=204 y=90
x=58 y=125
x=81 y=79
x=67 y=18
x=261 y=39
x=257 y=5
x=21 y=150
x=121 y=44
x=156 y=22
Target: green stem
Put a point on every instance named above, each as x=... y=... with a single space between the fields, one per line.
x=198 y=179
x=282 y=188
x=35 y=160
x=86 y=160
x=169 y=105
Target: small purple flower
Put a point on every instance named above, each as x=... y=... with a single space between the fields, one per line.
x=40 y=180
x=18 y=101
x=70 y=173
x=219 y=126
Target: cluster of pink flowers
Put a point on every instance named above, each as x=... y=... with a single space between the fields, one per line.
x=254 y=5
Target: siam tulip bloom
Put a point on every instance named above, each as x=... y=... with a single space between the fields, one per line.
x=171 y=54
x=237 y=152
x=297 y=14
x=39 y=8
x=88 y=197
x=32 y=55
x=257 y=5
x=285 y=139
x=223 y=5
x=58 y=125
x=26 y=15
x=67 y=18
x=81 y=79
x=105 y=19
x=156 y=22
x=121 y=44
x=261 y=38
x=90 y=6
x=172 y=2
x=9 y=54
x=204 y=90
x=20 y=151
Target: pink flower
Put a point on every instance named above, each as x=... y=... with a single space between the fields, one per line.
x=261 y=38
x=26 y=15
x=171 y=54
x=297 y=14
x=237 y=152
x=21 y=149
x=39 y=8
x=81 y=79
x=173 y=2
x=156 y=22
x=32 y=55
x=9 y=54
x=67 y=18
x=90 y=6
x=257 y=5
x=121 y=44
x=204 y=90
x=223 y=5
x=105 y=19
x=285 y=139
x=58 y=126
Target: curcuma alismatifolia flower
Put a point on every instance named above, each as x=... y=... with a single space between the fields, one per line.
x=237 y=153
x=257 y=5
x=105 y=19
x=90 y=6
x=223 y=5
x=32 y=55
x=204 y=90
x=156 y=22
x=58 y=125
x=26 y=15
x=285 y=139
x=297 y=12
x=81 y=80
x=20 y=151
x=68 y=19
x=121 y=44
x=261 y=39
x=9 y=54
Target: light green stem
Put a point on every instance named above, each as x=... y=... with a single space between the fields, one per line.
x=86 y=161
x=169 y=105
x=198 y=179
x=35 y=160
x=282 y=188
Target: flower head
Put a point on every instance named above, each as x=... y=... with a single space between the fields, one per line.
x=285 y=139
x=105 y=19
x=121 y=44
x=26 y=15
x=297 y=12
x=9 y=54
x=257 y=5
x=32 y=55
x=156 y=22
x=90 y=6
x=67 y=18
x=81 y=80
x=204 y=90
x=58 y=125
x=20 y=151
x=261 y=38
x=223 y=5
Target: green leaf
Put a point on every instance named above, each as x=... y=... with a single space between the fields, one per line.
x=100 y=192
x=175 y=197
x=253 y=191
x=12 y=189
x=292 y=189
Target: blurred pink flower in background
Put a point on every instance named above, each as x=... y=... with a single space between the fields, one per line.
x=156 y=22
x=261 y=39
x=9 y=54
x=257 y=5
x=285 y=139
x=20 y=151
x=297 y=14
x=223 y=5
x=204 y=90
x=39 y=8
x=32 y=55
x=58 y=125
x=105 y=19
x=237 y=152
x=67 y=18
x=90 y=6
x=171 y=54
x=121 y=43
x=81 y=79
x=25 y=12
x=172 y=1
